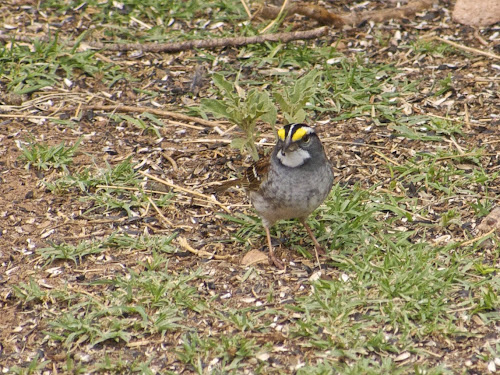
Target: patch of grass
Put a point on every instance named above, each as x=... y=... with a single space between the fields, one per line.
x=248 y=226
x=76 y=253
x=194 y=349
x=482 y=207
x=227 y=353
x=151 y=20
x=43 y=156
x=278 y=55
x=117 y=188
x=353 y=88
x=88 y=180
x=136 y=304
x=368 y=366
x=112 y=365
x=48 y=64
x=444 y=127
x=34 y=367
x=426 y=128
x=445 y=85
x=429 y=47
x=249 y=319
x=392 y=292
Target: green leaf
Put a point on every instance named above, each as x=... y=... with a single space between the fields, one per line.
x=238 y=143
x=216 y=107
x=226 y=87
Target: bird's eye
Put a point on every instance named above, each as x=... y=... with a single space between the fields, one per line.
x=306 y=138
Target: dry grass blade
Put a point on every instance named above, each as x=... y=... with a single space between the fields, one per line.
x=168 y=222
x=463 y=48
x=154 y=111
x=476 y=239
x=247 y=9
x=386 y=158
x=283 y=7
x=185 y=190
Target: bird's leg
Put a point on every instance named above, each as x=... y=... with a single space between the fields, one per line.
x=317 y=247
x=272 y=257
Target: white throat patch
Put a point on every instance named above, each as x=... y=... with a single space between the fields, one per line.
x=293 y=159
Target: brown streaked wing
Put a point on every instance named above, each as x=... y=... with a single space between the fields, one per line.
x=256 y=174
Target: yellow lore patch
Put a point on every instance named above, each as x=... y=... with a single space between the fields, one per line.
x=299 y=133
x=281 y=134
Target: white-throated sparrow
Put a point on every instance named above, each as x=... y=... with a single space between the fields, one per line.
x=291 y=182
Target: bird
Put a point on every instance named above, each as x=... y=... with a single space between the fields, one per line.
x=290 y=183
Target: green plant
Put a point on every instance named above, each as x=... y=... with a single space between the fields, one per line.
x=450 y=217
x=445 y=85
x=75 y=253
x=292 y=100
x=243 y=109
x=481 y=207
x=29 y=292
x=44 y=157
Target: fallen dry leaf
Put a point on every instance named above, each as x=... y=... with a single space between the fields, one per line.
x=254 y=257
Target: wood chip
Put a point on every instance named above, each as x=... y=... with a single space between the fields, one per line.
x=403 y=356
x=490 y=222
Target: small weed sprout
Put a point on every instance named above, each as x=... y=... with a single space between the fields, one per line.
x=243 y=109
x=445 y=85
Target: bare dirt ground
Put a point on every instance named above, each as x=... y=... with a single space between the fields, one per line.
x=196 y=157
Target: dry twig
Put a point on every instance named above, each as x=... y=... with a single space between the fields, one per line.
x=201 y=253
x=247 y=9
x=325 y=17
x=190 y=44
x=315 y=12
x=381 y=15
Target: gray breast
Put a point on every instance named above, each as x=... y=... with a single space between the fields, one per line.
x=293 y=193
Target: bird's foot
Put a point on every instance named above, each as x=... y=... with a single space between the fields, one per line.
x=275 y=261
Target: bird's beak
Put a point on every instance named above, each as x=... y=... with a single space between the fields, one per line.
x=288 y=146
